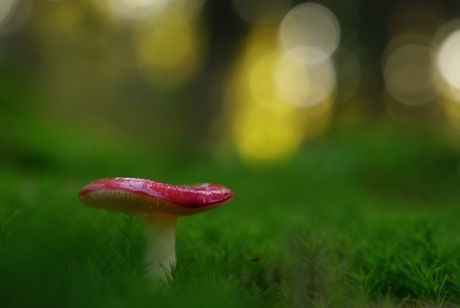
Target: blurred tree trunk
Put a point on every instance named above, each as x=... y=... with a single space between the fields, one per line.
x=204 y=97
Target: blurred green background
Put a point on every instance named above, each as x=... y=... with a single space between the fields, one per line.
x=254 y=78
x=336 y=123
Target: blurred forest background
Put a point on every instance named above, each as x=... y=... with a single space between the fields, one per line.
x=336 y=124
x=255 y=78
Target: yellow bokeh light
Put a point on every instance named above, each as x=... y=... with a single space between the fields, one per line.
x=260 y=82
x=292 y=80
x=451 y=106
x=170 y=53
x=305 y=85
x=166 y=47
x=262 y=126
x=266 y=126
x=162 y=38
x=265 y=136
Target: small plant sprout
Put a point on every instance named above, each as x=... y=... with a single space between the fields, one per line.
x=158 y=204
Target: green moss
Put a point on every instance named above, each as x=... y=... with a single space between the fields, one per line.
x=360 y=219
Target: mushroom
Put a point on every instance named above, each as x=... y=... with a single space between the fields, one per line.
x=158 y=204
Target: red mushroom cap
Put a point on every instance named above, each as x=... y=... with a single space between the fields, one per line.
x=131 y=195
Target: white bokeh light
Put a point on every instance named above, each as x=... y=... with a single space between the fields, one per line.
x=310 y=33
x=448 y=59
x=151 y=11
x=408 y=75
x=136 y=9
x=6 y=7
x=14 y=14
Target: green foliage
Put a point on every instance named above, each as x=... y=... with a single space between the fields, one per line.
x=356 y=219
x=410 y=263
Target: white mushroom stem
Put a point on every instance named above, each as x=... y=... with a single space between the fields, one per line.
x=160 y=255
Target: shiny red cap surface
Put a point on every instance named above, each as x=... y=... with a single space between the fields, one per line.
x=133 y=195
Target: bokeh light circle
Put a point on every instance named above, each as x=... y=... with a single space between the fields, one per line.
x=6 y=7
x=448 y=59
x=304 y=85
x=408 y=75
x=310 y=33
x=136 y=9
x=14 y=14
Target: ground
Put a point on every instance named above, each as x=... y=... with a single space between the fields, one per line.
x=365 y=215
